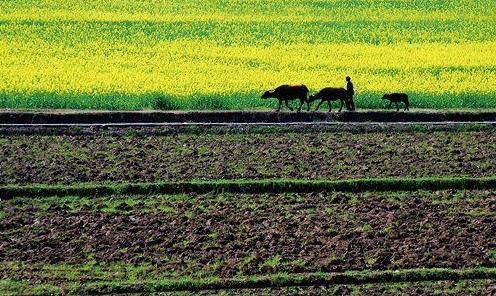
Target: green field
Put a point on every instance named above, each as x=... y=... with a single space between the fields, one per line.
x=224 y=54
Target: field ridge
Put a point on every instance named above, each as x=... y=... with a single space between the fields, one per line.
x=269 y=281
x=250 y=186
x=241 y=116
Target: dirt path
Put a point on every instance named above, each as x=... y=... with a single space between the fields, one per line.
x=93 y=116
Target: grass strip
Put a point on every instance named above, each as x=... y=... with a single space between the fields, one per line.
x=266 y=281
x=249 y=186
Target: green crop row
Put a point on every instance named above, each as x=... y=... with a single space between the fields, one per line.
x=251 y=186
x=276 y=280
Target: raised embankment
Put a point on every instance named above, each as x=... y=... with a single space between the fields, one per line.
x=103 y=117
x=245 y=187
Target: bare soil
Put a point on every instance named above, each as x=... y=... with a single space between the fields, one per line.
x=26 y=159
x=227 y=235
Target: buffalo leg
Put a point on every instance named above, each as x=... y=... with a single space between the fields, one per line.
x=318 y=106
x=302 y=101
x=397 y=107
x=279 y=108
x=407 y=108
x=341 y=107
x=390 y=104
x=330 y=105
x=287 y=105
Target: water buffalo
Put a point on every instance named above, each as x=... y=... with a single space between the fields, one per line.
x=396 y=98
x=288 y=93
x=328 y=95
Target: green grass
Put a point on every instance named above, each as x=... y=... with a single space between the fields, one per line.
x=274 y=280
x=221 y=101
x=246 y=186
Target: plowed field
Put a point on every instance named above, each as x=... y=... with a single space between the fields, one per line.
x=29 y=159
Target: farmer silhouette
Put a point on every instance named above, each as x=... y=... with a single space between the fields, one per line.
x=350 y=92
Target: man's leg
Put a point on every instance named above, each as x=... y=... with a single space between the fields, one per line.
x=352 y=104
x=348 y=102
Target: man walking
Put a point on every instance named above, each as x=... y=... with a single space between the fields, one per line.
x=350 y=92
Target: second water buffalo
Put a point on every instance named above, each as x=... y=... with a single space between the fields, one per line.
x=397 y=98
x=328 y=95
x=288 y=93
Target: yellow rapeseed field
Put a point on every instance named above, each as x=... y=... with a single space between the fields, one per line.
x=223 y=54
